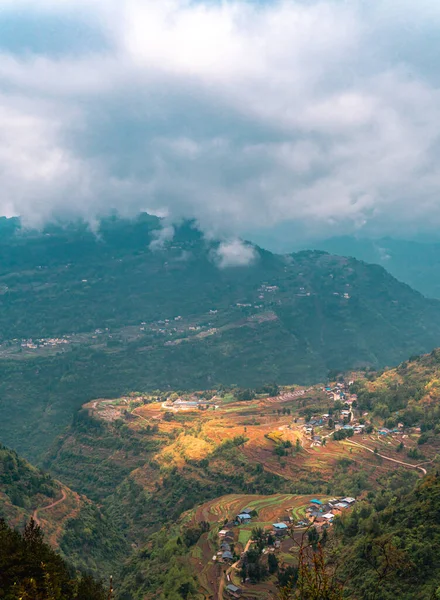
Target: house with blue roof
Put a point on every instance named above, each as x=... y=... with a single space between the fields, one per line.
x=280 y=528
x=244 y=518
x=227 y=556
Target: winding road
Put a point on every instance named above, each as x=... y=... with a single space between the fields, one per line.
x=48 y=507
x=399 y=462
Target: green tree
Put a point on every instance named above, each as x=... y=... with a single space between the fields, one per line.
x=272 y=563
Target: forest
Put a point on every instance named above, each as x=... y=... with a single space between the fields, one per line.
x=31 y=570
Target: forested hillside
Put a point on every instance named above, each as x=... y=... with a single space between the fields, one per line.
x=22 y=487
x=86 y=314
x=415 y=263
x=389 y=546
x=30 y=569
x=409 y=393
x=72 y=523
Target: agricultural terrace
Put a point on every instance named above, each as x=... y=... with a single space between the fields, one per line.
x=269 y=509
x=272 y=434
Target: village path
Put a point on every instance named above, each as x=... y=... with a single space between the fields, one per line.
x=133 y=412
x=399 y=462
x=49 y=506
x=223 y=580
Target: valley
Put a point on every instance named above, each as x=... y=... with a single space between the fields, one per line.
x=144 y=388
x=88 y=315
x=163 y=464
x=219 y=300
x=150 y=469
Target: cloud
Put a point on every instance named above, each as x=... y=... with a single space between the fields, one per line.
x=320 y=117
x=234 y=253
x=163 y=235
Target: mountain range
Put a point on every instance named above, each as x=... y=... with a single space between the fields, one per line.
x=96 y=314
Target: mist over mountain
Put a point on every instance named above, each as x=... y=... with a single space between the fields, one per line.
x=219 y=357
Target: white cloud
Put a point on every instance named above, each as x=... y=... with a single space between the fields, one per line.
x=163 y=235
x=234 y=253
x=240 y=115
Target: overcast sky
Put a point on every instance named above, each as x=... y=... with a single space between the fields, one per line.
x=293 y=118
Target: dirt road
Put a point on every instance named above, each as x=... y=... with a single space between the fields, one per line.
x=225 y=578
x=133 y=412
x=399 y=462
x=48 y=507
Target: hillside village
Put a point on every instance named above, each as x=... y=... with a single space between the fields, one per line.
x=251 y=549
x=294 y=433
x=175 y=329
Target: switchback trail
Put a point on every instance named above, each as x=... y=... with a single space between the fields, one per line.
x=399 y=462
x=48 y=507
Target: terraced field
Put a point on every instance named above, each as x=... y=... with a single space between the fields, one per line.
x=263 y=424
x=260 y=446
x=270 y=509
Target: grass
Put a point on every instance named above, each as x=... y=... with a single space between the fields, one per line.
x=187 y=447
x=284 y=557
x=196 y=552
x=244 y=536
x=228 y=399
x=246 y=407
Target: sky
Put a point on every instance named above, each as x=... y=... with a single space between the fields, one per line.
x=273 y=120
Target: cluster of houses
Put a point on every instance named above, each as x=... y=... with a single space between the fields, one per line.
x=49 y=342
x=189 y=403
x=341 y=392
x=226 y=539
x=344 y=418
x=226 y=536
x=319 y=513
x=267 y=288
x=310 y=427
x=323 y=513
x=397 y=430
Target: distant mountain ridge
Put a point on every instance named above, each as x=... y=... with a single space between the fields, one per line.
x=415 y=263
x=86 y=315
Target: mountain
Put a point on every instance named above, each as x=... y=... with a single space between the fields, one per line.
x=415 y=263
x=23 y=488
x=169 y=476
x=385 y=548
x=157 y=476
x=87 y=315
x=71 y=523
